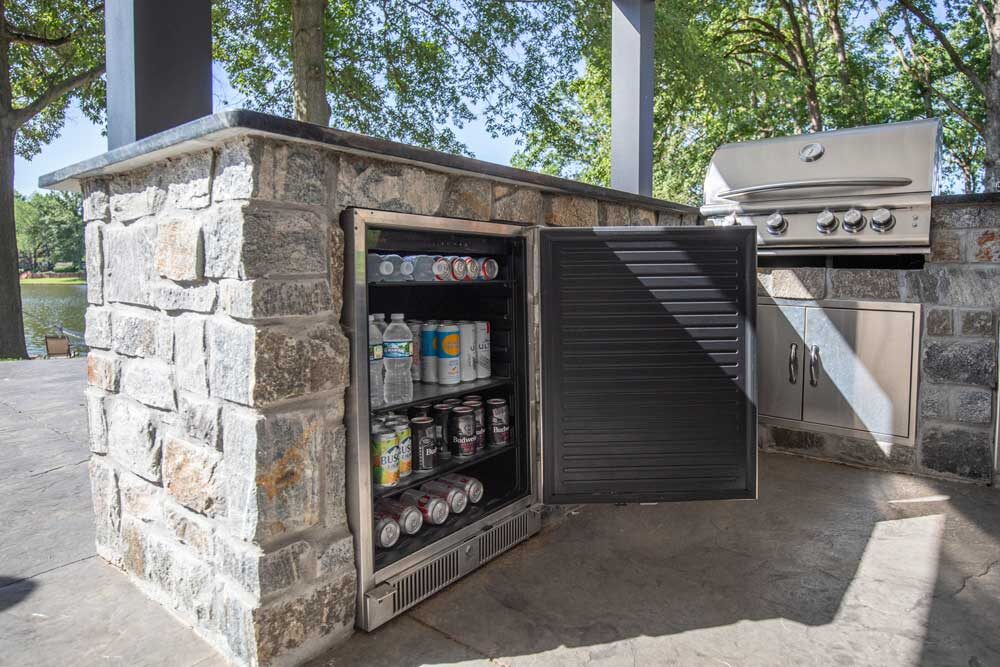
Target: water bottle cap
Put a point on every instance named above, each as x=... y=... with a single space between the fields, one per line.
x=397 y=316
x=371 y=318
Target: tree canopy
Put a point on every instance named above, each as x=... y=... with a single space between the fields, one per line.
x=49 y=229
x=733 y=71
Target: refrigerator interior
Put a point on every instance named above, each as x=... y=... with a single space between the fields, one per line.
x=504 y=472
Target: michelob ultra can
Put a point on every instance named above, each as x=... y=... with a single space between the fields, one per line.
x=467 y=350
x=484 y=362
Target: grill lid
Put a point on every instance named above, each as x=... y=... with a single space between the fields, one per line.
x=877 y=160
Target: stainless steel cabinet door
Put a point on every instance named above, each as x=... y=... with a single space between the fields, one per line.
x=858 y=367
x=781 y=351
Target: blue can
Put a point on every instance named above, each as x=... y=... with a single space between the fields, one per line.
x=429 y=351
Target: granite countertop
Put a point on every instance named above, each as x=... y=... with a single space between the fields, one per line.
x=208 y=131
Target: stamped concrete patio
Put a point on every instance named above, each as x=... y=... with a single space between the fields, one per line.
x=832 y=565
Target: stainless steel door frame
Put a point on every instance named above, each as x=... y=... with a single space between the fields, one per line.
x=882 y=438
x=354 y=222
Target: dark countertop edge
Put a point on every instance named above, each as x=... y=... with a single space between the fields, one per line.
x=203 y=132
x=974 y=198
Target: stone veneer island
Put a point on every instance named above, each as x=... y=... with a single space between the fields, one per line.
x=219 y=365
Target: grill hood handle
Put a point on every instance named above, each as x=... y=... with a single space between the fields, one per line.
x=888 y=181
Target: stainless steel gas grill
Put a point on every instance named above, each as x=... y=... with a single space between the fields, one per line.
x=865 y=190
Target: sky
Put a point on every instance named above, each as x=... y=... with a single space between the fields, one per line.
x=80 y=139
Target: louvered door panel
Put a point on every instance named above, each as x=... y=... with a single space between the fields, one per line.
x=648 y=364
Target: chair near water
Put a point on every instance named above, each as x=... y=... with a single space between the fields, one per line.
x=57 y=347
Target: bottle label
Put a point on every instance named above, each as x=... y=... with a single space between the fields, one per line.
x=375 y=352
x=402 y=349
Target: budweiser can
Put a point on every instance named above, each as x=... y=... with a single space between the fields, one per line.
x=422 y=410
x=456 y=498
x=442 y=412
x=434 y=509
x=386 y=530
x=424 y=443
x=408 y=517
x=441 y=268
x=452 y=401
x=479 y=413
x=484 y=362
x=472 y=397
x=471 y=269
x=488 y=268
x=462 y=431
x=498 y=418
x=472 y=486
x=459 y=269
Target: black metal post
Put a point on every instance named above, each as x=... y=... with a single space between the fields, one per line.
x=159 y=66
x=632 y=95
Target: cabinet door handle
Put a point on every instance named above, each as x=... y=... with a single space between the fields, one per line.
x=814 y=365
x=793 y=363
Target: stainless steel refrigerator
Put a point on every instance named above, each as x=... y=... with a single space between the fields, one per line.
x=626 y=356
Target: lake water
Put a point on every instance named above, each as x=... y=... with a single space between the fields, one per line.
x=46 y=308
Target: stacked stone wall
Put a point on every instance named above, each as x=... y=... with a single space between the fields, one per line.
x=960 y=289
x=218 y=369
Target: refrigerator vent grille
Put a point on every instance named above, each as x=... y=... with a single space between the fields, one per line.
x=504 y=536
x=426 y=581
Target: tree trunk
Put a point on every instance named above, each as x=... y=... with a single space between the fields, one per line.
x=309 y=62
x=11 y=320
x=991 y=175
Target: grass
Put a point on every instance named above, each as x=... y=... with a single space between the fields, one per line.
x=53 y=281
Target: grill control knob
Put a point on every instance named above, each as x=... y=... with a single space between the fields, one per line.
x=853 y=221
x=776 y=224
x=882 y=220
x=826 y=222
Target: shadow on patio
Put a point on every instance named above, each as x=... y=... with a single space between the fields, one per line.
x=831 y=566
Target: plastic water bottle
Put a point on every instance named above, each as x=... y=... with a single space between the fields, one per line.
x=397 y=357
x=375 y=392
x=380 y=322
x=423 y=267
x=402 y=269
x=418 y=353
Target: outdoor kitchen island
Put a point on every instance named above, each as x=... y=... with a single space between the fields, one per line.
x=228 y=397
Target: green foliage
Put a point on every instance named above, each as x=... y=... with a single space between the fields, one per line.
x=408 y=70
x=63 y=41
x=49 y=230
x=724 y=73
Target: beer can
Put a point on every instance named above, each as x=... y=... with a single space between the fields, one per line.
x=498 y=418
x=488 y=268
x=385 y=457
x=422 y=410
x=456 y=498
x=424 y=443
x=472 y=397
x=428 y=352
x=408 y=517
x=441 y=268
x=462 y=431
x=386 y=531
x=467 y=351
x=441 y=413
x=417 y=348
x=404 y=436
x=484 y=362
x=434 y=509
x=479 y=414
x=471 y=269
x=472 y=486
x=449 y=350
x=452 y=401
x=459 y=269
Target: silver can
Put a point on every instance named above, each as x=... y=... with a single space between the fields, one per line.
x=471 y=269
x=434 y=509
x=386 y=531
x=442 y=270
x=472 y=486
x=467 y=351
x=408 y=517
x=456 y=498
x=488 y=268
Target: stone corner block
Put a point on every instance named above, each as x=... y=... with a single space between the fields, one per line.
x=102 y=370
x=93 y=241
x=97 y=328
x=389 y=186
x=132 y=439
x=517 y=204
x=262 y=298
x=570 y=211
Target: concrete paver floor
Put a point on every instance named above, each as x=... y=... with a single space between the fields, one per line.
x=831 y=566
